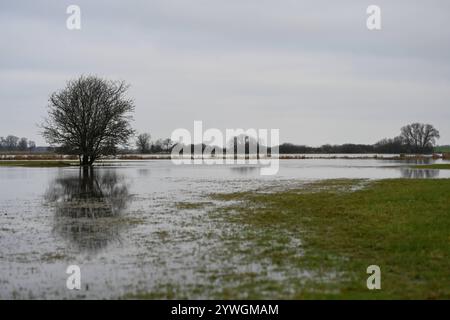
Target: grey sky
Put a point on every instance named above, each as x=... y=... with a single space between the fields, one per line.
x=309 y=68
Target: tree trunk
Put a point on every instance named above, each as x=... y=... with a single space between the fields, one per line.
x=91 y=160
x=85 y=161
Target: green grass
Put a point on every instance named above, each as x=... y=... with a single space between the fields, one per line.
x=403 y=226
x=191 y=205
x=442 y=149
x=316 y=242
x=37 y=163
x=441 y=166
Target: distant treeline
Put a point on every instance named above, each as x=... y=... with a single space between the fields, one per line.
x=386 y=146
x=414 y=138
x=396 y=145
x=13 y=143
x=389 y=146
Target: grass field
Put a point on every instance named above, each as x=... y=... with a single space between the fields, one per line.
x=319 y=240
x=403 y=226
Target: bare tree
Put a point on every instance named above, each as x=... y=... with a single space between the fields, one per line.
x=31 y=145
x=89 y=117
x=11 y=142
x=157 y=146
x=143 y=142
x=167 y=144
x=243 y=144
x=23 y=144
x=419 y=135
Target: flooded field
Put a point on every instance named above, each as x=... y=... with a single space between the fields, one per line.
x=143 y=226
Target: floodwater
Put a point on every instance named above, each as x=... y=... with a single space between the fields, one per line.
x=122 y=224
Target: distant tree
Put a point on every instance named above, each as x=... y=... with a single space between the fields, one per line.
x=31 y=145
x=143 y=143
x=394 y=145
x=244 y=144
x=157 y=146
x=89 y=117
x=11 y=142
x=287 y=148
x=23 y=144
x=167 y=144
x=419 y=136
x=327 y=148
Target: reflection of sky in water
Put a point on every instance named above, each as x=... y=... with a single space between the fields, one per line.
x=53 y=217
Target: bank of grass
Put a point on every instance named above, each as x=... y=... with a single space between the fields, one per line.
x=440 y=166
x=403 y=226
x=37 y=163
x=442 y=149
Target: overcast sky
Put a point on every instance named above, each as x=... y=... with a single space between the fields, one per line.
x=310 y=68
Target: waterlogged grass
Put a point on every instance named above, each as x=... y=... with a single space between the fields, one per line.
x=403 y=226
x=191 y=205
x=316 y=242
x=440 y=166
x=37 y=163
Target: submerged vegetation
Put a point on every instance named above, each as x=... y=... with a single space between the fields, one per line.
x=37 y=163
x=441 y=166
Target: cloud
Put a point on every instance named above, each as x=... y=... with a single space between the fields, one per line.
x=311 y=69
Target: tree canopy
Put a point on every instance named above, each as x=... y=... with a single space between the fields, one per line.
x=419 y=135
x=90 y=117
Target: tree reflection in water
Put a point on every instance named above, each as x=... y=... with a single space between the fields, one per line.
x=411 y=173
x=244 y=170
x=88 y=206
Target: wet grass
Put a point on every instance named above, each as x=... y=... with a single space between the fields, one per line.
x=440 y=166
x=54 y=256
x=316 y=242
x=400 y=225
x=37 y=163
x=191 y=205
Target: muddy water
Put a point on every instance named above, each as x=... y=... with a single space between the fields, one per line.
x=123 y=224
